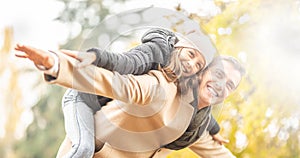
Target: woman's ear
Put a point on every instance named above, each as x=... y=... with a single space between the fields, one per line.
x=199 y=75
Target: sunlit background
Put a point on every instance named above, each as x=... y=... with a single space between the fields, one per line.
x=261 y=119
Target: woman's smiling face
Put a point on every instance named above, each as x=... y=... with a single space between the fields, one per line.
x=192 y=61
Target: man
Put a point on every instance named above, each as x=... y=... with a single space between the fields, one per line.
x=216 y=85
x=218 y=80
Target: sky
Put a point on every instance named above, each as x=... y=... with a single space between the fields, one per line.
x=32 y=21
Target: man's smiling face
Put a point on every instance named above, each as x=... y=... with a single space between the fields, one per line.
x=218 y=82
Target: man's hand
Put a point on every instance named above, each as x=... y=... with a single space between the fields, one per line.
x=39 y=57
x=218 y=138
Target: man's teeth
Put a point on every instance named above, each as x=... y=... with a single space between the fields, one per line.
x=212 y=91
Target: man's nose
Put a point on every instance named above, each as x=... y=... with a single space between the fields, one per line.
x=219 y=85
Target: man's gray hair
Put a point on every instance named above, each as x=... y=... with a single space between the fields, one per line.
x=235 y=63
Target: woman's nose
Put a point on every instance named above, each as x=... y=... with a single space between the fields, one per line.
x=188 y=64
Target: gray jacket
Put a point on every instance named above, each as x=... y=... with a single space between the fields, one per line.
x=156 y=47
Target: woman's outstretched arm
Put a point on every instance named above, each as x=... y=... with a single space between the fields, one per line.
x=91 y=79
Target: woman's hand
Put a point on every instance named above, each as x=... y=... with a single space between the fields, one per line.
x=218 y=138
x=84 y=58
x=38 y=56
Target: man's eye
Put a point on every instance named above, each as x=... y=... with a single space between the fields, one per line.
x=218 y=74
x=230 y=86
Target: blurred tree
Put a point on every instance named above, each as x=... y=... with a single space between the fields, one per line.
x=254 y=118
x=12 y=96
x=46 y=132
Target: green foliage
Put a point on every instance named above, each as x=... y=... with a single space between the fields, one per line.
x=46 y=132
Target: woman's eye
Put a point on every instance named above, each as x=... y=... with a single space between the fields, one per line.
x=192 y=55
x=199 y=66
x=218 y=74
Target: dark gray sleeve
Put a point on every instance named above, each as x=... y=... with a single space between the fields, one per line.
x=213 y=127
x=156 y=47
